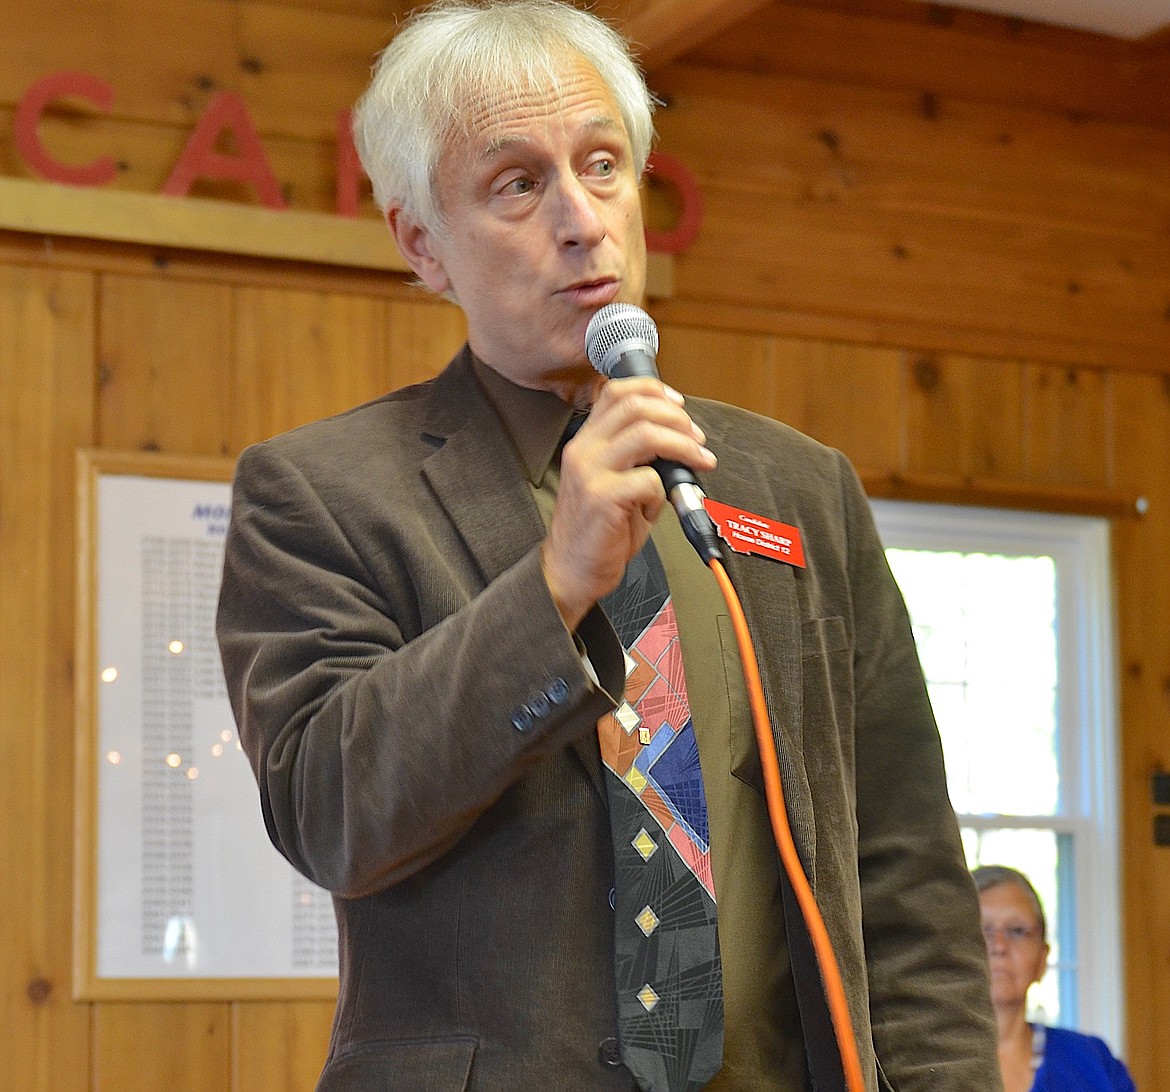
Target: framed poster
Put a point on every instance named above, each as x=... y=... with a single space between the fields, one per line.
x=179 y=893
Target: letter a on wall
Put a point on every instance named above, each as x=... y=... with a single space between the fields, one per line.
x=226 y=113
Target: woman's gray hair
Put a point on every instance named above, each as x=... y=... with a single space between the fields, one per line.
x=989 y=876
x=455 y=56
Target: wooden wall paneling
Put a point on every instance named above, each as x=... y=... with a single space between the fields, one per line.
x=835 y=201
x=735 y=368
x=141 y=1047
x=846 y=396
x=424 y=334
x=301 y=64
x=296 y=66
x=989 y=57
x=1141 y=547
x=802 y=138
x=964 y=417
x=1068 y=425
x=302 y=355
x=859 y=327
x=164 y=365
x=387 y=9
x=164 y=62
x=46 y=410
x=279 y=1047
x=10 y=163
x=1068 y=289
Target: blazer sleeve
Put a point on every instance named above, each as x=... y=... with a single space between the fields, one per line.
x=932 y=1022
x=376 y=743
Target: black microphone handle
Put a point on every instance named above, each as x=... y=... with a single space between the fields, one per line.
x=633 y=363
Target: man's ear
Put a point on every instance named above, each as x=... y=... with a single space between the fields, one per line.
x=416 y=244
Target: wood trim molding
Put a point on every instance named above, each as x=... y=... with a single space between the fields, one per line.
x=191 y=223
x=985 y=493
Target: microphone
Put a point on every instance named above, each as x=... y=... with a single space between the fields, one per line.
x=621 y=341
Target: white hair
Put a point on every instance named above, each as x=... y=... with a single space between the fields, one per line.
x=456 y=55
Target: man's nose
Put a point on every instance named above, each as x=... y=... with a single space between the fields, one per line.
x=579 y=220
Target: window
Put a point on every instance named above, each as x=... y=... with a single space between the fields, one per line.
x=1012 y=613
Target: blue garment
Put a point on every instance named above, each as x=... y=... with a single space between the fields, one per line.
x=1074 y=1062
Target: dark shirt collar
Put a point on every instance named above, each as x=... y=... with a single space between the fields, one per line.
x=534 y=420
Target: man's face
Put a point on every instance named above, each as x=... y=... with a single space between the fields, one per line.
x=543 y=227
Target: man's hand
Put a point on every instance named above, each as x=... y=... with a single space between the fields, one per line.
x=609 y=495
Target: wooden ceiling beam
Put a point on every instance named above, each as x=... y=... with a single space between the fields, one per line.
x=662 y=30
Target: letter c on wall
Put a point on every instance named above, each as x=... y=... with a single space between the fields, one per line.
x=31 y=108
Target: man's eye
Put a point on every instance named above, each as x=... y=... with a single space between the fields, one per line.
x=604 y=167
x=520 y=186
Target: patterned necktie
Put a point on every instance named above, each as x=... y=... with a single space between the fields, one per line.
x=666 y=948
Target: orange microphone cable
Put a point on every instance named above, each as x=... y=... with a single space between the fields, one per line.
x=778 y=814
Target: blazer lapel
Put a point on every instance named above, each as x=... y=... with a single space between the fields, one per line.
x=477 y=477
x=476 y=474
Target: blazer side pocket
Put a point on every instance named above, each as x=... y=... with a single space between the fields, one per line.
x=404 y=1065
x=745 y=754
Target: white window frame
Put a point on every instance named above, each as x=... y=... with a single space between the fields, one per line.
x=1087 y=722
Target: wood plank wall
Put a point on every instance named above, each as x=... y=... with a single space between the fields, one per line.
x=939 y=243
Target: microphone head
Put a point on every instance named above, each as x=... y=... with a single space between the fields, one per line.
x=616 y=329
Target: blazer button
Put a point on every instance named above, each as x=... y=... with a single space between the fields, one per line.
x=558 y=691
x=609 y=1053
x=522 y=719
x=540 y=705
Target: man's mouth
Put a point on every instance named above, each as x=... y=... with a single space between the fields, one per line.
x=592 y=293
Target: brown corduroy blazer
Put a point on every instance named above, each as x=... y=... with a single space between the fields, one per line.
x=423 y=735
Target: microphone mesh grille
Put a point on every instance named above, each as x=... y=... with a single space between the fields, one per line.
x=617 y=325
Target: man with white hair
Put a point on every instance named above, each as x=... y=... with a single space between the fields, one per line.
x=424 y=618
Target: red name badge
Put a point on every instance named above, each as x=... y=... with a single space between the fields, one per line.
x=747 y=533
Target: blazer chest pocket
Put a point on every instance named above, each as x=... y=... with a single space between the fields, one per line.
x=827 y=670
x=403 y=1065
x=825 y=683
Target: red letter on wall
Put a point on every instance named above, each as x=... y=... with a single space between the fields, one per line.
x=30 y=109
x=690 y=219
x=225 y=113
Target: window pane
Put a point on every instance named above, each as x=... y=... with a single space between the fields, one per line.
x=1002 y=603
x=985 y=628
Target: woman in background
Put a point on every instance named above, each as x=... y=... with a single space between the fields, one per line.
x=1032 y=1057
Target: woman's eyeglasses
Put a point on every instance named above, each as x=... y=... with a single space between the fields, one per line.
x=1010 y=934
